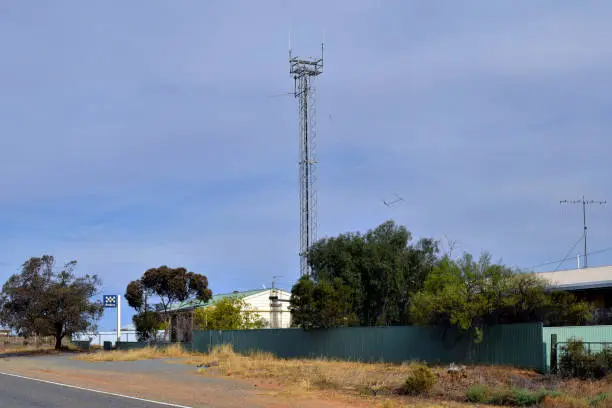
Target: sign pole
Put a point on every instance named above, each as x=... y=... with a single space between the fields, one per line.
x=119 y=318
x=114 y=301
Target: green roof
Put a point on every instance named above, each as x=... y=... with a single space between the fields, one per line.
x=194 y=303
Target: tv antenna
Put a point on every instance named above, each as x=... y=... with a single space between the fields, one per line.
x=394 y=201
x=584 y=223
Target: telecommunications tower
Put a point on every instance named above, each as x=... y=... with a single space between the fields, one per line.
x=304 y=72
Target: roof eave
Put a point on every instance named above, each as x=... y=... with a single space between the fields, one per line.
x=583 y=286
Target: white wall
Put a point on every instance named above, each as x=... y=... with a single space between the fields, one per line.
x=100 y=337
x=127 y=336
x=260 y=303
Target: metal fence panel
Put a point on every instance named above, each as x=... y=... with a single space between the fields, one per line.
x=588 y=334
x=519 y=345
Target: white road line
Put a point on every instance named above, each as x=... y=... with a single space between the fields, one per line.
x=96 y=391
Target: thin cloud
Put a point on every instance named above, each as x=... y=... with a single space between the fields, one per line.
x=138 y=134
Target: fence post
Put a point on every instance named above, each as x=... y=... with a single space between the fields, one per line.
x=553 y=353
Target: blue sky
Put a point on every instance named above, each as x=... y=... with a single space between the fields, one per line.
x=141 y=133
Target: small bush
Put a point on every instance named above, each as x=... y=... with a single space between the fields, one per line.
x=505 y=396
x=420 y=381
x=499 y=396
x=526 y=398
x=477 y=393
x=601 y=400
x=577 y=362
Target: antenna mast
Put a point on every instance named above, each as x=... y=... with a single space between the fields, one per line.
x=304 y=72
x=584 y=223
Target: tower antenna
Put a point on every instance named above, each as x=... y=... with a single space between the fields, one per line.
x=584 y=223
x=304 y=72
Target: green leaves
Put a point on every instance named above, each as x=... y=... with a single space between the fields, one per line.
x=470 y=294
x=147 y=324
x=228 y=313
x=134 y=294
x=364 y=279
x=168 y=285
x=380 y=278
x=42 y=300
x=322 y=305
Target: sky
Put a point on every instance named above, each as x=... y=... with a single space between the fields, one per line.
x=146 y=133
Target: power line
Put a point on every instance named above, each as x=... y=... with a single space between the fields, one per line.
x=569 y=252
x=571 y=257
x=584 y=223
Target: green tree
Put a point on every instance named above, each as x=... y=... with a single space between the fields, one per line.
x=322 y=305
x=228 y=313
x=469 y=295
x=459 y=293
x=166 y=285
x=147 y=320
x=41 y=300
x=569 y=311
x=148 y=324
x=377 y=271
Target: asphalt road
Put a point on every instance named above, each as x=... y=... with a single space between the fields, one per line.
x=21 y=393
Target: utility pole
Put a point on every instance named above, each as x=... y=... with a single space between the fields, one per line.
x=304 y=72
x=584 y=223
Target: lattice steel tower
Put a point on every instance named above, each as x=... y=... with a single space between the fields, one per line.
x=304 y=71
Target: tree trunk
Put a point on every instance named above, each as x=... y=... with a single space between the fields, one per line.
x=58 y=339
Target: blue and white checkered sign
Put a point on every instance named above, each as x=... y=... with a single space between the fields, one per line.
x=110 y=300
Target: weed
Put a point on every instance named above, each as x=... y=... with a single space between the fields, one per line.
x=602 y=400
x=505 y=396
x=577 y=361
x=477 y=393
x=420 y=381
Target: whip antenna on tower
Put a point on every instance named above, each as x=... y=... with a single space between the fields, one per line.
x=304 y=72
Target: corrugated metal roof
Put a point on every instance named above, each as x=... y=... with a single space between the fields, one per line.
x=194 y=303
x=586 y=278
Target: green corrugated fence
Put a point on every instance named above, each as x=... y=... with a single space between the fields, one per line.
x=518 y=345
x=132 y=345
x=82 y=344
x=593 y=334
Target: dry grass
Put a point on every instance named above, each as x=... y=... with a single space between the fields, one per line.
x=20 y=346
x=147 y=353
x=308 y=374
x=382 y=379
x=351 y=379
x=26 y=350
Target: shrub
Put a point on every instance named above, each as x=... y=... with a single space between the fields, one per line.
x=505 y=396
x=601 y=400
x=477 y=393
x=420 y=381
x=578 y=362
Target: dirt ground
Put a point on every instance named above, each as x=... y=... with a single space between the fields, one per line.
x=181 y=384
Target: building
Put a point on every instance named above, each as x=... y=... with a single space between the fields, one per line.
x=590 y=284
x=272 y=305
x=128 y=335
